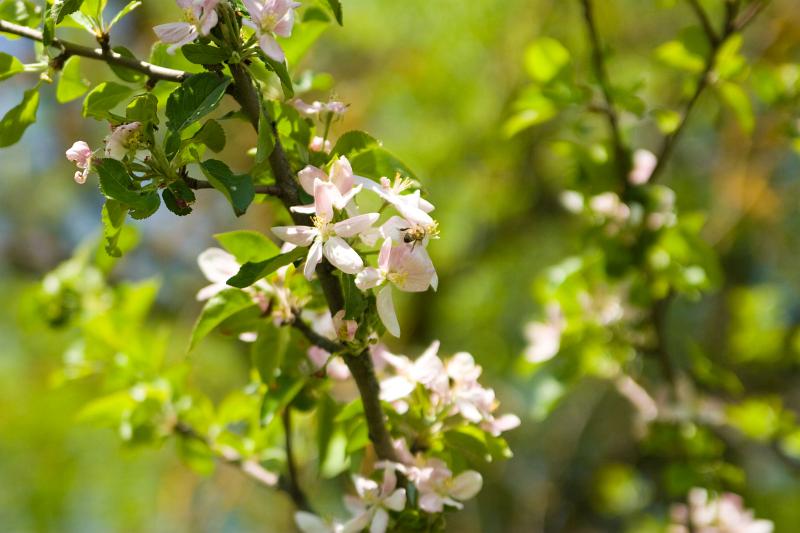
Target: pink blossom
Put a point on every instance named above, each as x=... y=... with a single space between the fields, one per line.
x=318 y=144
x=311 y=523
x=199 y=17
x=721 y=514
x=80 y=154
x=411 y=206
x=270 y=17
x=316 y=108
x=544 y=338
x=437 y=487
x=407 y=268
x=644 y=163
x=327 y=238
x=345 y=329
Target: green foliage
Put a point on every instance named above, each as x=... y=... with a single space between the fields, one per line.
x=247 y=246
x=219 y=308
x=105 y=97
x=71 y=83
x=252 y=272
x=238 y=189
x=17 y=119
x=195 y=98
x=9 y=66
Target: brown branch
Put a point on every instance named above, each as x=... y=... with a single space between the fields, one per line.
x=750 y=14
x=600 y=72
x=155 y=72
x=360 y=365
x=315 y=338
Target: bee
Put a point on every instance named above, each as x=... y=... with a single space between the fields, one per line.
x=417 y=234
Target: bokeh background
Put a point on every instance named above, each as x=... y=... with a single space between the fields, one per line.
x=434 y=81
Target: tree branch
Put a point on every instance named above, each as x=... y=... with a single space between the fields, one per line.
x=360 y=365
x=315 y=338
x=291 y=483
x=704 y=21
x=71 y=49
x=610 y=111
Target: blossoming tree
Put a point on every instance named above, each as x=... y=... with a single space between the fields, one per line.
x=314 y=305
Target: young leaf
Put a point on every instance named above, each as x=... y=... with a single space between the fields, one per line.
x=113 y=217
x=377 y=162
x=248 y=246
x=354 y=142
x=223 y=305
x=252 y=272
x=103 y=98
x=124 y=73
x=354 y=301
x=286 y=389
x=738 y=100
x=282 y=72
x=195 y=98
x=237 y=189
x=143 y=108
x=124 y=11
x=545 y=58
x=269 y=350
x=62 y=8
x=336 y=8
x=205 y=54
x=178 y=198
x=211 y=135
x=9 y=66
x=115 y=183
x=71 y=84
x=18 y=118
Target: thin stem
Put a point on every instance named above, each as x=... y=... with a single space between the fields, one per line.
x=601 y=73
x=315 y=338
x=705 y=22
x=155 y=72
x=292 y=484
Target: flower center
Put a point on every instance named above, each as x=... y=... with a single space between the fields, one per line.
x=324 y=227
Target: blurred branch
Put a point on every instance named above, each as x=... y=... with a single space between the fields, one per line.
x=732 y=25
x=230 y=456
x=601 y=73
x=155 y=72
x=704 y=21
x=290 y=483
x=659 y=319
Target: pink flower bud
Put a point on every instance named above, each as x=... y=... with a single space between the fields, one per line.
x=81 y=155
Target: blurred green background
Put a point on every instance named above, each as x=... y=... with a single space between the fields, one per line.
x=434 y=81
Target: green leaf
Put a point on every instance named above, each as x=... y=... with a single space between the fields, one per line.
x=124 y=11
x=237 y=189
x=354 y=142
x=282 y=72
x=211 y=135
x=269 y=350
x=117 y=184
x=205 y=54
x=676 y=54
x=354 y=302
x=18 y=118
x=113 y=218
x=9 y=66
x=178 y=198
x=62 y=8
x=546 y=58
x=124 y=73
x=103 y=98
x=220 y=307
x=336 y=8
x=93 y=8
x=667 y=120
x=143 y=108
x=738 y=100
x=277 y=398
x=252 y=272
x=195 y=98
x=71 y=84
x=248 y=246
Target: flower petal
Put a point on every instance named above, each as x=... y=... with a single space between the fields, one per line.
x=368 y=278
x=342 y=256
x=342 y=175
x=397 y=501
x=466 y=485
x=271 y=47
x=380 y=521
x=386 y=311
x=313 y=259
x=355 y=225
x=298 y=235
x=307 y=177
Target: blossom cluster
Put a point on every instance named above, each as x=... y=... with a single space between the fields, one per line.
x=724 y=513
x=268 y=19
x=338 y=228
x=123 y=140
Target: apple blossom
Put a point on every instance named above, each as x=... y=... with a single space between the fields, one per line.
x=311 y=523
x=407 y=268
x=544 y=338
x=318 y=144
x=644 y=163
x=123 y=139
x=270 y=17
x=374 y=502
x=200 y=16
x=316 y=108
x=340 y=175
x=327 y=237
x=722 y=514
x=411 y=206
x=436 y=485
x=80 y=154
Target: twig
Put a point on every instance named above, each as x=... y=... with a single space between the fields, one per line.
x=753 y=10
x=704 y=21
x=250 y=467
x=291 y=482
x=601 y=73
x=155 y=72
x=315 y=338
